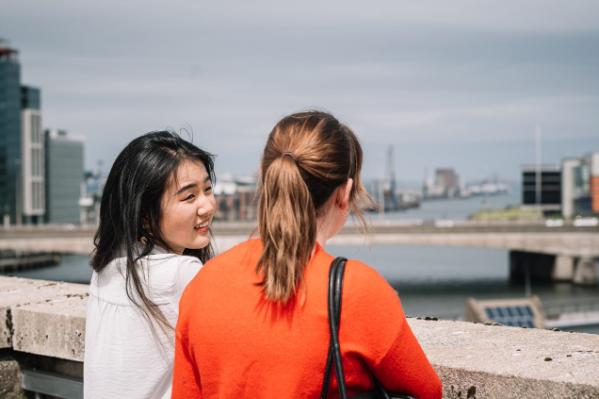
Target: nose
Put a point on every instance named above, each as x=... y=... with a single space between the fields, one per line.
x=206 y=206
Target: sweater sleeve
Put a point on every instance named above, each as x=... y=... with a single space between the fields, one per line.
x=186 y=379
x=380 y=328
x=405 y=368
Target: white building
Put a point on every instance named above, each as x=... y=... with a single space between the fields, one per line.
x=33 y=202
x=577 y=185
x=64 y=174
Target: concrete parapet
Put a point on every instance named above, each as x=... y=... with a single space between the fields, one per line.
x=473 y=360
x=19 y=299
x=55 y=328
x=479 y=361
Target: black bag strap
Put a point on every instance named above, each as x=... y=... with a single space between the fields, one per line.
x=335 y=289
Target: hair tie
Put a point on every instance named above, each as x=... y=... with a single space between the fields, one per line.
x=289 y=154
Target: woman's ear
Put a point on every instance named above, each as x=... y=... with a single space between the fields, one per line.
x=344 y=194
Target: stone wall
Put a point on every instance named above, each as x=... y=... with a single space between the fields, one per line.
x=42 y=324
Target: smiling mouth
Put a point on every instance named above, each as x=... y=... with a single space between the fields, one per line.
x=202 y=227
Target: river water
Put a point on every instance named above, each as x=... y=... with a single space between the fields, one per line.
x=433 y=281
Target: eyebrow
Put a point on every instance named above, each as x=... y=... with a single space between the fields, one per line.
x=191 y=185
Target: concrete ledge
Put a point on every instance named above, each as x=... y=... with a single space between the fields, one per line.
x=23 y=300
x=55 y=328
x=46 y=319
x=9 y=289
x=475 y=360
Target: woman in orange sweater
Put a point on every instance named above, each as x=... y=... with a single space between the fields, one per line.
x=254 y=324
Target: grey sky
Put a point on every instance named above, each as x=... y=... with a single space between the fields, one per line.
x=460 y=83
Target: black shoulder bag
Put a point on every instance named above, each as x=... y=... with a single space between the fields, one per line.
x=334 y=310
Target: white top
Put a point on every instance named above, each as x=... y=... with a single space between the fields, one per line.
x=124 y=356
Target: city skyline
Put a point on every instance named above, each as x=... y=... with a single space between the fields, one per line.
x=462 y=85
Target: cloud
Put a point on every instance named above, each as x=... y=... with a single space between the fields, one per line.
x=396 y=71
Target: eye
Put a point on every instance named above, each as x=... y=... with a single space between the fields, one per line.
x=208 y=190
x=189 y=197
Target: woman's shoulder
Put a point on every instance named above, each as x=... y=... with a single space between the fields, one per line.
x=155 y=260
x=366 y=285
x=171 y=260
x=240 y=254
x=360 y=271
x=369 y=302
x=169 y=266
x=228 y=265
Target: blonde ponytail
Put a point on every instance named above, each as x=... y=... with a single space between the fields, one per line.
x=307 y=156
x=287 y=221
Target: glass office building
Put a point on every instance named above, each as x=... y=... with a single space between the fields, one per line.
x=542 y=187
x=64 y=175
x=10 y=135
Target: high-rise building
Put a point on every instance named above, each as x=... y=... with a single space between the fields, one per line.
x=10 y=134
x=64 y=176
x=445 y=185
x=570 y=188
x=21 y=144
x=542 y=187
x=32 y=156
x=595 y=182
x=577 y=186
x=449 y=180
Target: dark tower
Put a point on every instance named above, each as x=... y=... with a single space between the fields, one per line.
x=10 y=132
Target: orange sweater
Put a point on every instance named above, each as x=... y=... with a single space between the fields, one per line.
x=232 y=343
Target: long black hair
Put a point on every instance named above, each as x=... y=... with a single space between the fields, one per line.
x=130 y=211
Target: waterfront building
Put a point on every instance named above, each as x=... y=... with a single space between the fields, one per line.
x=235 y=198
x=387 y=198
x=21 y=145
x=32 y=156
x=91 y=196
x=10 y=134
x=595 y=182
x=64 y=175
x=572 y=186
x=580 y=192
x=542 y=187
x=576 y=187
x=381 y=192
x=445 y=185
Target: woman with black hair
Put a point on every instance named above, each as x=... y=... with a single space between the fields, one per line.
x=153 y=238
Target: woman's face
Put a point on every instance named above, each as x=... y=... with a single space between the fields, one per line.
x=188 y=206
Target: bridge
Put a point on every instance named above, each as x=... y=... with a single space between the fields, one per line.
x=538 y=249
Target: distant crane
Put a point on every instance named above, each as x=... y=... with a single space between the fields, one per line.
x=390 y=197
